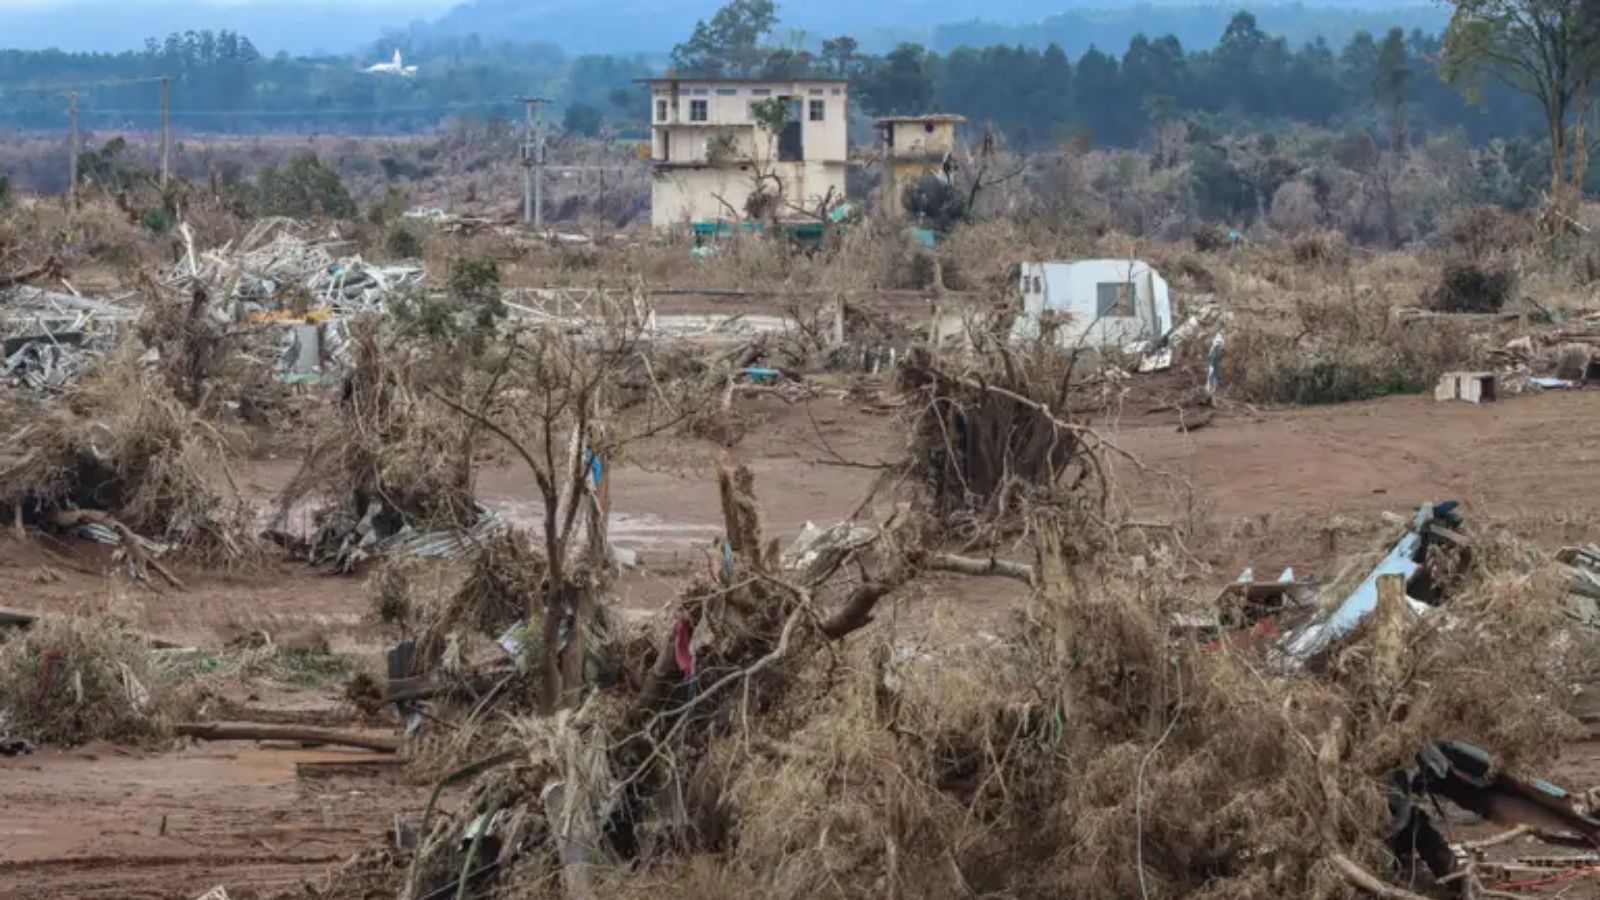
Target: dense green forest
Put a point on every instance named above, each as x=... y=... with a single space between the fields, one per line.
x=1032 y=97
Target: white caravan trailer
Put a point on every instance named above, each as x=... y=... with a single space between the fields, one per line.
x=1102 y=303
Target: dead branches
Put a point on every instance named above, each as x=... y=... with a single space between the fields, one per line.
x=961 y=565
x=50 y=266
x=987 y=443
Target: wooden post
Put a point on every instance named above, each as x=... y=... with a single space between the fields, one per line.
x=1389 y=634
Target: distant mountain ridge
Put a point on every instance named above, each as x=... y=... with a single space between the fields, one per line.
x=654 y=26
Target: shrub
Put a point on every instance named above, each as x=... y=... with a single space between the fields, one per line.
x=1466 y=287
x=403 y=243
x=1211 y=238
x=1321 y=248
x=935 y=203
x=159 y=220
x=1482 y=231
x=303 y=188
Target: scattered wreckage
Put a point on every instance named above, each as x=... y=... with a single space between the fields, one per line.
x=51 y=337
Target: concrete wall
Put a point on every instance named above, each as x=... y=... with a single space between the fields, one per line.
x=916 y=138
x=681 y=195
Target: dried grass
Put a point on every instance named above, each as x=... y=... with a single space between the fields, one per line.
x=1090 y=755
x=119 y=442
x=1338 y=346
x=70 y=680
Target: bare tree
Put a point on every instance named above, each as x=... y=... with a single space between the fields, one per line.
x=554 y=397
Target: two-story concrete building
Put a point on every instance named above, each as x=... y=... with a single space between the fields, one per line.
x=914 y=147
x=709 y=149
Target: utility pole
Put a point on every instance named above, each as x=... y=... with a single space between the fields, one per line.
x=72 y=151
x=166 y=131
x=533 y=160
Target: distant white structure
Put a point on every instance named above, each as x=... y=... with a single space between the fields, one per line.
x=1101 y=302
x=397 y=67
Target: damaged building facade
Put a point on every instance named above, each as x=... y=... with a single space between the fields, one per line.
x=714 y=161
x=915 y=147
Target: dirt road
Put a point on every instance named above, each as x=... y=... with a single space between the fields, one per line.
x=107 y=822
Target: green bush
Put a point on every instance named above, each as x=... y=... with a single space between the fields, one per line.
x=303 y=188
x=403 y=243
x=1466 y=287
x=159 y=220
x=934 y=202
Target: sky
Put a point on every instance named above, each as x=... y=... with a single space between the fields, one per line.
x=297 y=26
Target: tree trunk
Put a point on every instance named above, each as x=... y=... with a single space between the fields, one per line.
x=206 y=731
x=1556 y=110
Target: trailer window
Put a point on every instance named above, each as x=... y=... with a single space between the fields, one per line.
x=1114 y=299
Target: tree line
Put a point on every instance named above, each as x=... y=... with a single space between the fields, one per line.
x=1030 y=97
x=1248 y=79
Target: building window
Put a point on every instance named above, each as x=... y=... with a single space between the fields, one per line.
x=698 y=111
x=761 y=92
x=700 y=92
x=1114 y=299
x=816 y=92
x=819 y=110
x=838 y=91
x=727 y=92
x=661 y=110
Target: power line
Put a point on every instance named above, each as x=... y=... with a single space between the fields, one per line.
x=68 y=86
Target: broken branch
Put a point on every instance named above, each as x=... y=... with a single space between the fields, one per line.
x=210 y=731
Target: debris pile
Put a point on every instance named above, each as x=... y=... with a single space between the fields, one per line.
x=50 y=338
x=1116 y=741
x=276 y=273
x=68 y=680
x=120 y=459
x=986 y=441
x=390 y=469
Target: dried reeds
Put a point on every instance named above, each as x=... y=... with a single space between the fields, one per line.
x=69 y=680
x=120 y=443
